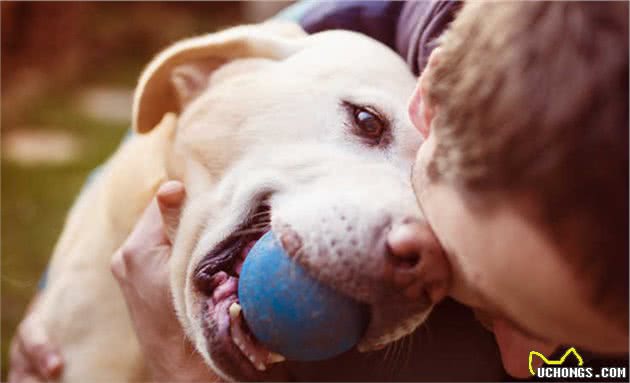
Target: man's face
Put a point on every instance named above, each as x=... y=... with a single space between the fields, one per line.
x=517 y=281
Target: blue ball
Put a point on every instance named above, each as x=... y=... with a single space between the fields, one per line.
x=290 y=312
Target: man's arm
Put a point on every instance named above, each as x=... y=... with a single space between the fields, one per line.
x=410 y=28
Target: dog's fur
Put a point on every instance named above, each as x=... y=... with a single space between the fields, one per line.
x=260 y=115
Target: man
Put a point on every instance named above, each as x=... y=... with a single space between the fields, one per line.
x=524 y=174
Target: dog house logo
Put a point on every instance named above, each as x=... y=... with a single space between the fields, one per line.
x=558 y=362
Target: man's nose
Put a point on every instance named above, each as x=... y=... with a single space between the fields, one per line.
x=416 y=262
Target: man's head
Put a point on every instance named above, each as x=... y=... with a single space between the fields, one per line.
x=524 y=174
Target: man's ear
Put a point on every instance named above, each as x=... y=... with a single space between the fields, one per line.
x=427 y=109
x=181 y=72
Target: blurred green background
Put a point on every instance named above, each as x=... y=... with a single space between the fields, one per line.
x=68 y=72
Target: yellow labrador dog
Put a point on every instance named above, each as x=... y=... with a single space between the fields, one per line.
x=269 y=129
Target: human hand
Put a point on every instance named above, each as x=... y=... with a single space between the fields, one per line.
x=33 y=357
x=141 y=269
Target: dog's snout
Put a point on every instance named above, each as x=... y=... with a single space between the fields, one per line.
x=415 y=261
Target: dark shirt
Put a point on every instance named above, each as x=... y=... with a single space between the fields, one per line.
x=410 y=28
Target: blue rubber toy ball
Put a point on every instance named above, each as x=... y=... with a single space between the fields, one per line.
x=290 y=312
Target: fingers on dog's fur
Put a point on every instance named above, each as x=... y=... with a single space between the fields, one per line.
x=156 y=227
x=20 y=365
x=148 y=233
x=33 y=355
x=117 y=266
x=170 y=198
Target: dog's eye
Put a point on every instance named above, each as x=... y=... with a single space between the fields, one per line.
x=369 y=123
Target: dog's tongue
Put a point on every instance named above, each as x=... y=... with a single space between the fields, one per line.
x=515 y=347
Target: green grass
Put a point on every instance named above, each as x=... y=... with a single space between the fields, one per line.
x=35 y=200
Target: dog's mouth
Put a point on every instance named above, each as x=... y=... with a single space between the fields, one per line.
x=230 y=343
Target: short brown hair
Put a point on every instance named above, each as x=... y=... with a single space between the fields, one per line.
x=532 y=100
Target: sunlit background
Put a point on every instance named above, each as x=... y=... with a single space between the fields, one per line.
x=68 y=72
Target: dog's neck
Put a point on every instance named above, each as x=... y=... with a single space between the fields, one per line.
x=137 y=179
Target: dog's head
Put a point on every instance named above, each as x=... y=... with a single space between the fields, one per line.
x=307 y=136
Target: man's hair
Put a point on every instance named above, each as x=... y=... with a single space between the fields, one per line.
x=531 y=101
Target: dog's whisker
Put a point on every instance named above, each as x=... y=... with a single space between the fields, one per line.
x=381 y=360
x=264 y=214
x=428 y=331
x=407 y=350
x=388 y=349
x=400 y=353
x=385 y=351
x=261 y=229
x=392 y=353
x=249 y=231
x=402 y=348
x=389 y=365
x=261 y=222
x=394 y=359
x=410 y=349
x=254 y=230
x=396 y=353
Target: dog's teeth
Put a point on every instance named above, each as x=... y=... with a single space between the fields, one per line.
x=275 y=358
x=235 y=310
x=241 y=342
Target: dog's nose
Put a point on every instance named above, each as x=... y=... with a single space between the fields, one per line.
x=416 y=262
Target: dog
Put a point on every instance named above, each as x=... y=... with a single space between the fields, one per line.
x=269 y=129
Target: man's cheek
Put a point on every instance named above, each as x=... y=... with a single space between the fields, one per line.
x=419 y=179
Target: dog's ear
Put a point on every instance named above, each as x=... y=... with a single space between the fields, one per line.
x=180 y=73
